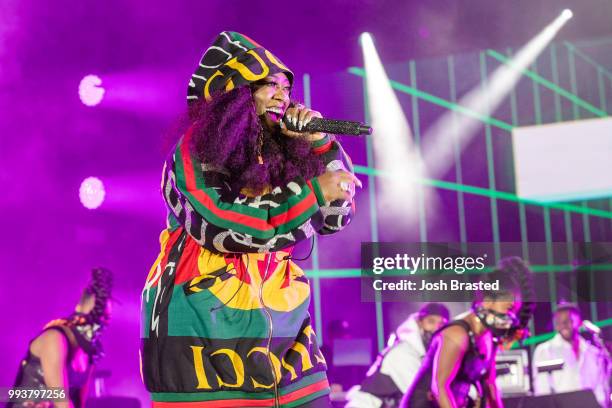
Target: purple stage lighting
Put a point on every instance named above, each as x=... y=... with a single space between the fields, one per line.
x=90 y=91
x=423 y=32
x=91 y=193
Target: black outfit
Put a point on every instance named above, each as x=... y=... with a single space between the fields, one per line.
x=30 y=374
x=384 y=388
x=472 y=372
x=82 y=331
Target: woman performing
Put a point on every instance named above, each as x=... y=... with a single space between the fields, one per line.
x=63 y=355
x=225 y=309
x=459 y=367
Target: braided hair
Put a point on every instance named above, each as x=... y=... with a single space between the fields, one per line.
x=86 y=327
x=101 y=287
x=514 y=276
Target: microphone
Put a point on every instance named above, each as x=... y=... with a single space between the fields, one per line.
x=588 y=326
x=550 y=365
x=595 y=336
x=336 y=127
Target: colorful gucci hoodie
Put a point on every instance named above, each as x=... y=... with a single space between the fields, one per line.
x=225 y=319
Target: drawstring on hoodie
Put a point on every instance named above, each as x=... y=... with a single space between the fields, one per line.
x=291 y=258
x=269 y=339
x=269 y=343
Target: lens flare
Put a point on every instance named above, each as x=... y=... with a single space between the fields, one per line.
x=567 y=14
x=90 y=91
x=92 y=193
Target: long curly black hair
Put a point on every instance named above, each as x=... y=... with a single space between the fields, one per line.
x=227 y=133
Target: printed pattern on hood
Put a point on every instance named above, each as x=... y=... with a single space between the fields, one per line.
x=232 y=60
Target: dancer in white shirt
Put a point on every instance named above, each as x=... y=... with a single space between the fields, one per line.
x=585 y=366
x=396 y=367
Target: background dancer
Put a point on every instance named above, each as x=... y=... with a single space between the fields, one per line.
x=459 y=368
x=396 y=367
x=63 y=355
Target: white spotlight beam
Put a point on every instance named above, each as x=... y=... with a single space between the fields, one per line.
x=438 y=143
x=394 y=153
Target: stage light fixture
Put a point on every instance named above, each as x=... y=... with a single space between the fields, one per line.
x=567 y=14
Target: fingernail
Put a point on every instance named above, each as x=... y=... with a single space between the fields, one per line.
x=294 y=120
x=300 y=125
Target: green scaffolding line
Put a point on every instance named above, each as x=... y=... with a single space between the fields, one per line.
x=416 y=125
x=567 y=217
x=457 y=152
x=490 y=162
x=439 y=101
x=593 y=43
x=521 y=206
x=552 y=283
x=501 y=195
x=550 y=85
x=496 y=123
x=555 y=75
x=585 y=218
x=522 y=210
x=491 y=191
x=602 y=90
x=588 y=59
x=547 y=336
x=358 y=273
x=380 y=328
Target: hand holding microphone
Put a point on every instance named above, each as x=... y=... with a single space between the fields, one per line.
x=298 y=120
x=294 y=122
x=590 y=327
